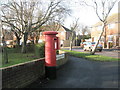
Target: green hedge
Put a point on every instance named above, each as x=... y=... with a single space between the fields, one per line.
x=30 y=48
x=17 y=49
x=40 y=50
x=14 y=50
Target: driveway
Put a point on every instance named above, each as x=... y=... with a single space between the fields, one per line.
x=82 y=73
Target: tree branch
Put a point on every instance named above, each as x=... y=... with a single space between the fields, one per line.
x=96 y=10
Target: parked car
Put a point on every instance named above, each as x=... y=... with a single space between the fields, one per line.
x=89 y=46
x=82 y=44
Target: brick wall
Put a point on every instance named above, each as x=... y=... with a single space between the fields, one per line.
x=23 y=74
x=109 y=31
x=62 y=59
x=0 y=80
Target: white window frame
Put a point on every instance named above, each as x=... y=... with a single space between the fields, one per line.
x=99 y=28
x=111 y=26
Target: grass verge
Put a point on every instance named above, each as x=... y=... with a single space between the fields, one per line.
x=90 y=57
x=16 y=57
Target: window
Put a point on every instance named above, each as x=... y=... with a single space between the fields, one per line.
x=99 y=27
x=7 y=42
x=62 y=33
x=111 y=26
x=41 y=33
x=110 y=38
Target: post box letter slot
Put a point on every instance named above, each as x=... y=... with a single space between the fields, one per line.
x=57 y=44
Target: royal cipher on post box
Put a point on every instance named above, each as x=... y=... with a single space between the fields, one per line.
x=51 y=45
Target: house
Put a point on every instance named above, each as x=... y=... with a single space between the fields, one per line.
x=9 y=38
x=63 y=34
x=112 y=32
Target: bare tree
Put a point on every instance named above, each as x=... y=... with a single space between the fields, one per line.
x=83 y=29
x=74 y=27
x=27 y=17
x=54 y=24
x=102 y=9
x=19 y=17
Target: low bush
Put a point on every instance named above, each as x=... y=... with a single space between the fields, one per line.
x=40 y=50
x=17 y=49
x=14 y=50
x=30 y=48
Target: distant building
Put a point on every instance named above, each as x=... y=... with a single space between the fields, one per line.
x=9 y=38
x=112 y=32
x=63 y=34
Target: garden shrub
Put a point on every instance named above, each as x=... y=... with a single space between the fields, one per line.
x=30 y=48
x=40 y=50
x=111 y=45
x=17 y=49
x=14 y=50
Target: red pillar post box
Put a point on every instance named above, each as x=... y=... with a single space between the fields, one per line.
x=51 y=45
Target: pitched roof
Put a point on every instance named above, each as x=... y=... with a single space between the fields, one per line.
x=66 y=29
x=51 y=27
x=114 y=18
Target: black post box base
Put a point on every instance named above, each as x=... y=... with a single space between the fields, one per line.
x=50 y=72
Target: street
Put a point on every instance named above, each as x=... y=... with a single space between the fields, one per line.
x=106 y=52
x=82 y=73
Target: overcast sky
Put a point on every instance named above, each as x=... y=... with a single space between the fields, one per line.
x=86 y=15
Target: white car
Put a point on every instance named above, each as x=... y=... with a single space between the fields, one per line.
x=89 y=46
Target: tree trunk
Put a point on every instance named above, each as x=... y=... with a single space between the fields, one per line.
x=70 y=45
x=83 y=38
x=18 y=39
x=71 y=42
x=4 y=52
x=37 y=38
x=18 y=42
x=94 y=48
x=25 y=36
x=105 y=41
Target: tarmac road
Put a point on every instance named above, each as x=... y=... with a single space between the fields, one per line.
x=82 y=73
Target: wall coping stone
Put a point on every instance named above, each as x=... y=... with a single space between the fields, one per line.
x=32 y=61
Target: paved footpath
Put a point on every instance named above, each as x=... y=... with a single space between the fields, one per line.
x=114 y=54
x=82 y=73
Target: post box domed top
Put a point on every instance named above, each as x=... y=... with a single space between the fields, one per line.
x=50 y=33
